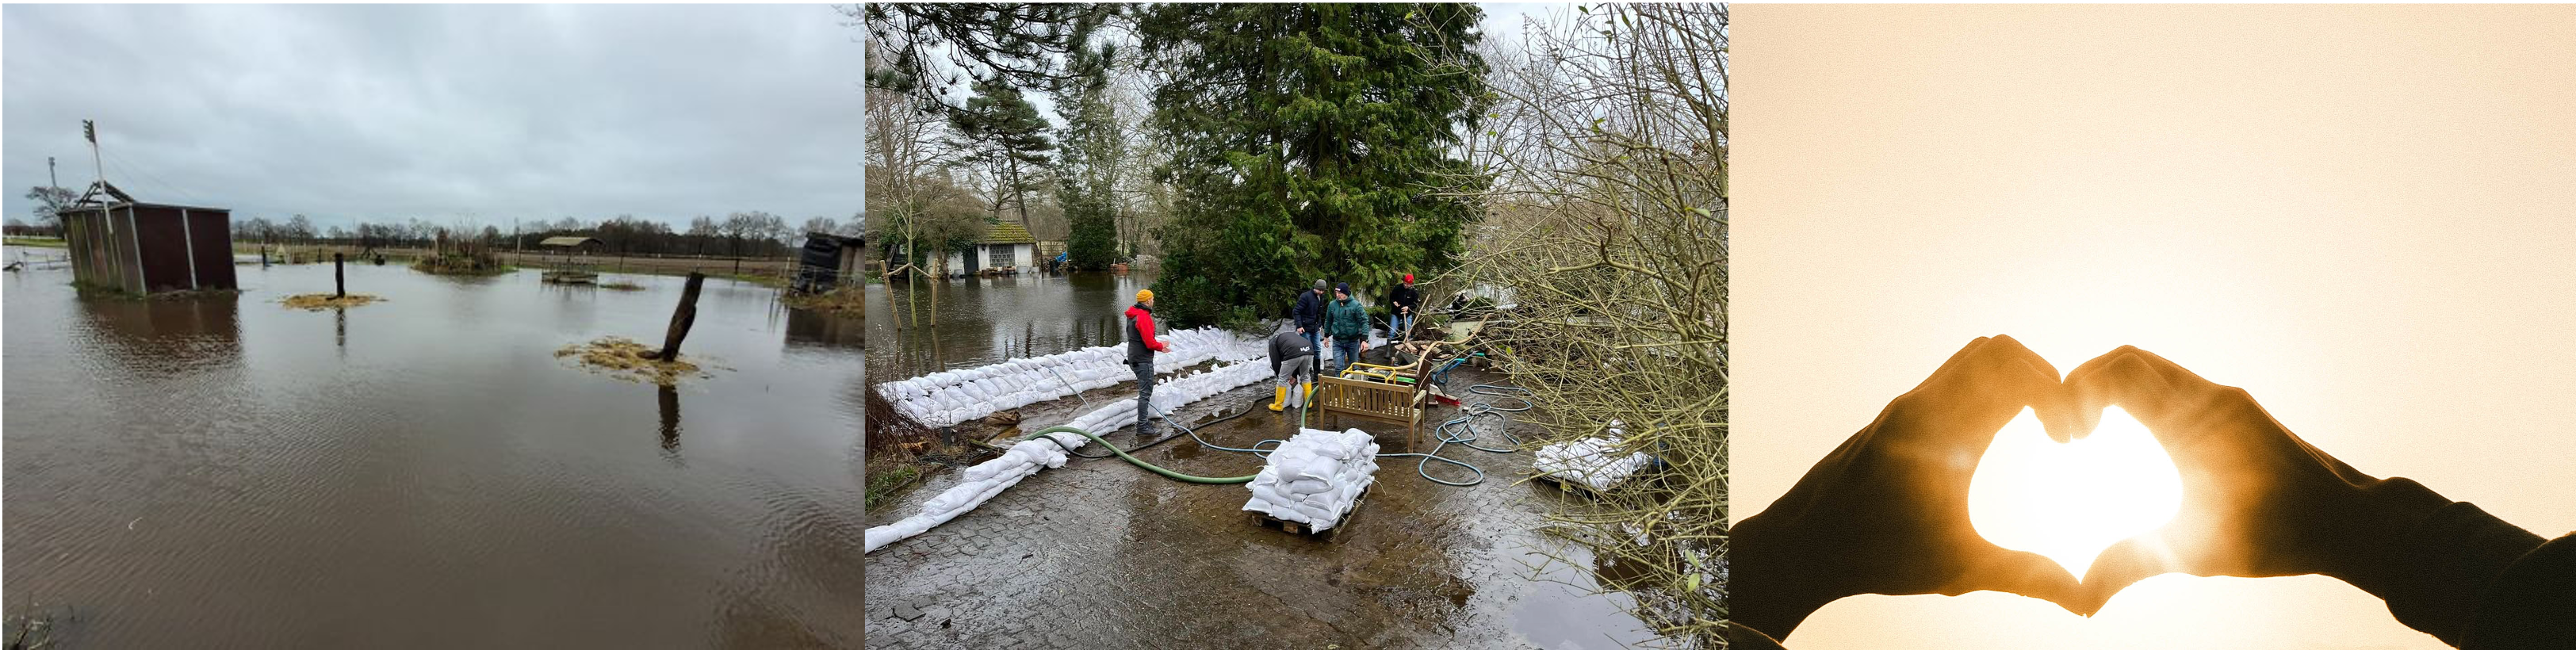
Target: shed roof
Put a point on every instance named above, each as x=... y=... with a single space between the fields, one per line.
x=1008 y=233
x=567 y=241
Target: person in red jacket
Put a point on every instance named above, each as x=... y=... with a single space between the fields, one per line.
x=1141 y=347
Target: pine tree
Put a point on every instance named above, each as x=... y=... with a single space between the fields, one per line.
x=1311 y=141
x=1004 y=130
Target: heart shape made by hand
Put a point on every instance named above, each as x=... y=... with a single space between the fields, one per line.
x=2069 y=501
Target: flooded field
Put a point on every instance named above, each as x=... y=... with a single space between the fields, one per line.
x=424 y=472
x=1102 y=554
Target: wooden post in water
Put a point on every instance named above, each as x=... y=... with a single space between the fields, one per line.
x=681 y=318
x=339 y=278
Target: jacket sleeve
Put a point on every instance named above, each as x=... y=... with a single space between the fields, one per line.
x=2474 y=581
x=1145 y=327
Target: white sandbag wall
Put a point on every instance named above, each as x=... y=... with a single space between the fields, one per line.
x=1025 y=458
x=1171 y=395
x=951 y=396
x=1315 y=477
x=1592 y=462
x=981 y=483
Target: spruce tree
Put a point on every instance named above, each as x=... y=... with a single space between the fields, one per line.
x=1311 y=141
x=1092 y=153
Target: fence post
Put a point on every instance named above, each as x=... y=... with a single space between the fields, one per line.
x=339 y=278
x=681 y=318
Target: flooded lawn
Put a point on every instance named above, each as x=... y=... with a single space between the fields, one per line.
x=423 y=471
x=1102 y=554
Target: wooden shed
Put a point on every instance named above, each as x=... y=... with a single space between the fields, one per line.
x=148 y=248
x=827 y=261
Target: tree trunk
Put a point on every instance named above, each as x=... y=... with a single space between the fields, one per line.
x=681 y=318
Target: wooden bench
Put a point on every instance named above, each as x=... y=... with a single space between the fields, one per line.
x=1396 y=403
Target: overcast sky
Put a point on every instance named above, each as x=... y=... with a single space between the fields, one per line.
x=462 y=114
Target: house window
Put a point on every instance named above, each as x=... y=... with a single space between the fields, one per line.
x=999 y=256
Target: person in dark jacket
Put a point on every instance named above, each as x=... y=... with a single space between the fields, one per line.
x=1309 y=315
x=1141 y=347
x=1291 y=357
x=1406 y=301
x=1346 y=323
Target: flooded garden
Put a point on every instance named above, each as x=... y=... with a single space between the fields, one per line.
x=1100 y=553
x=423 y=470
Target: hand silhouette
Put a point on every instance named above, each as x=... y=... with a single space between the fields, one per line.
x=2257 y=500
x=1887 y=513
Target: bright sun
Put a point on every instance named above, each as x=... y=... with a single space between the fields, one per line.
x=2070 y=501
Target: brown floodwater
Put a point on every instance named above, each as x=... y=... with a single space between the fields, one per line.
x=423 y=471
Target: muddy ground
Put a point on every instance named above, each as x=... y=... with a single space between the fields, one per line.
x=1100 y=554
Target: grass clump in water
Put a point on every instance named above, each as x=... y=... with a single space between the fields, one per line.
x=851 y=300
x=626 y=359
x=322 y=301
x=888 y=479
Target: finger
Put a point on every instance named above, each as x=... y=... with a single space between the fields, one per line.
x=2034 y=383
x=2003 y=378
x=2027 y=574
x=2126 y=563
x=1955 y=363
x=2129 y=378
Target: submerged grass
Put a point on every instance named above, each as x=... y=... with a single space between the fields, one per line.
x=36 y=629
x=322 y=301
x=851 y=300
x=626 y=359
x=888 y=478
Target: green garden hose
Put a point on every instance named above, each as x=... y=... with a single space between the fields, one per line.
x=1122 y=453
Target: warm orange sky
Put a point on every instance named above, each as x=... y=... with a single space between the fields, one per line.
x=2365 y=216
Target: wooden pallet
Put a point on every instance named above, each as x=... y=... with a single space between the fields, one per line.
x=1302 y=528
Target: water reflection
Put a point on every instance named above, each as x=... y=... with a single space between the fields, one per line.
x=931 y=325
x=668 y=399
x=825 y=330
x=159 y=337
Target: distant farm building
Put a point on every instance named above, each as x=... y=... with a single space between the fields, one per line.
x=119 y=243
x=828 y=260
x=1006 y=248
x=572 y=244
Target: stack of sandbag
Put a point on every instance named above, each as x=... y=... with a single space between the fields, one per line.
x=1315 y=477
x=951 y=396
x=1592 y=462
x=979 y=484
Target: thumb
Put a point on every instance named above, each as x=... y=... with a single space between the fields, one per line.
x=2123 y=564
x=2029 y=574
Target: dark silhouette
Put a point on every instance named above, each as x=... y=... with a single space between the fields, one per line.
x=1886 y=513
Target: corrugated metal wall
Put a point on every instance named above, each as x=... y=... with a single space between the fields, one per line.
x=151 y=248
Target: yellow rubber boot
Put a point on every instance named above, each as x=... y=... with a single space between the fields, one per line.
x=1281 y=401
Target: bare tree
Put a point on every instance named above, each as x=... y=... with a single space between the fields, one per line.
x=1607 y=150
x=825 y=225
